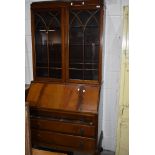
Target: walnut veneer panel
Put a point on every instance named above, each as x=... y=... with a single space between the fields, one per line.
x=41 y=152
x=90 y=98
x=52 y=96
x=53 y=138
x=69 y=97
x=34 y=93
x=64 y=116
x=63 y=127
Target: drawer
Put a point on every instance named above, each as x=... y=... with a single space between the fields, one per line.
x=64 y=140
x=83 y=118
x=63 y=127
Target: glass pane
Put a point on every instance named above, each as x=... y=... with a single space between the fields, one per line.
x=91 y=35
x=91 y=74
x=41 y=49
x=55 y=73
x=76 y=35
x=54 y=34
x=91 y=56
x=75 y=74
x=42 y=72
x=55 y=49
x=83 y=44
x=77 y=55
x=48 y=41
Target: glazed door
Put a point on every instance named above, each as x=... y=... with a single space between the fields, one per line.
x=48 y=47
x=84 y=43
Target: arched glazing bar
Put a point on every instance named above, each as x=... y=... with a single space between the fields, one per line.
x=84 y=44
x=48 y=44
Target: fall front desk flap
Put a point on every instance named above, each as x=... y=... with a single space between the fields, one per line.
x=70 y=97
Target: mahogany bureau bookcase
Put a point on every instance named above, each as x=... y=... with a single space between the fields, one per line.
x=64 y=97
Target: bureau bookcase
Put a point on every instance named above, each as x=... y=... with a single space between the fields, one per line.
x=64 y=97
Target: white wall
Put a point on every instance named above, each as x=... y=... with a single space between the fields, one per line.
x=28 y=46
x=112 y=50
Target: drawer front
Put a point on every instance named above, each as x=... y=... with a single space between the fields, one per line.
x=87 y=119
x=64 y=140
x=63 y=127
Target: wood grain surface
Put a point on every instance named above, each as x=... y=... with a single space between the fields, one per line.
x=41 y=152
x=70 y=97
